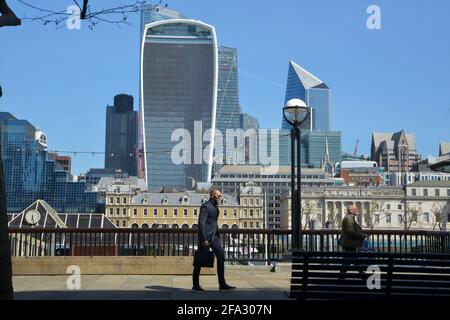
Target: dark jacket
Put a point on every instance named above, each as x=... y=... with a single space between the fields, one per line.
x=352 y=235
x=207 y=221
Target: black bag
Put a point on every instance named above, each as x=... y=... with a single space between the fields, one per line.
x=204 y=258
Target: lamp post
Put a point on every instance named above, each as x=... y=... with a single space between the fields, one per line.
x=295 y=112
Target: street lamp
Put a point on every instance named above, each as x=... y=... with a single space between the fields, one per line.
x=295 y=112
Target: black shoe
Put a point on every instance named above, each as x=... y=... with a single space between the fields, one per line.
x=197 y=288
x=226 y=287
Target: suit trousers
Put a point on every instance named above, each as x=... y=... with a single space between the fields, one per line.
x=216 y=247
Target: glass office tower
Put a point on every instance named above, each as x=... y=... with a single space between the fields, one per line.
x=178 y=87
x=31 y=173
x=121 y=143
x=303 y=85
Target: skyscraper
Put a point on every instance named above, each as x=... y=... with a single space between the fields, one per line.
x=228 y=109
x=121 y=143
x=178 y=87
x=248 y=122
x=152 y=13
x=32 y=174
x=303 y=85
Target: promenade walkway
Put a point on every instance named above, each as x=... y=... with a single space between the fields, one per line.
x=252 y=282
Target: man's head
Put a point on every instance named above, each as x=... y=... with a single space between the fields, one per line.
x=215 y=194
x=352 y=209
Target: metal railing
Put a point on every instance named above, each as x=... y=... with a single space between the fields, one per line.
x=240 y=245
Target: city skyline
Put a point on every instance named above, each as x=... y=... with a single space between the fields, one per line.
x=377 y=71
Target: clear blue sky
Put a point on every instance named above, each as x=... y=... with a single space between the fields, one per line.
x=381 y=80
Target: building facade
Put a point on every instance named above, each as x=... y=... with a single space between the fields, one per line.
x=396 y=152
x=419 y=206
x=247 y=122
x=231 y=178
x=31 y=174
x=129 y=209
x=179 y=95
x=122 y=136
x=314 y=92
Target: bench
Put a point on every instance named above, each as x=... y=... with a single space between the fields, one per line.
x=345 y=275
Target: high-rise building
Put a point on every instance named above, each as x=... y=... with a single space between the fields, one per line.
x=65 y=162
x=121 y=143
x=178 y=93
x=32 y=174
x=228 y=109
x=314 y=92
x=248 y=122
x=394 y=151
x=152 y=13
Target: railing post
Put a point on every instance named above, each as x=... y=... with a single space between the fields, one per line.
x=269 y=247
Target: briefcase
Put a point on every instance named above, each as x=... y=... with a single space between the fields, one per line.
x=204 y=258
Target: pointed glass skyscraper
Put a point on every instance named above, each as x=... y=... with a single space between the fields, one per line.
x=303 y=85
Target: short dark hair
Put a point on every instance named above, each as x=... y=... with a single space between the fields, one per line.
x=213 y=191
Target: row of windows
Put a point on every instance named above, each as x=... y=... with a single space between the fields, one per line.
x=175 y=212
x=278 y=176
x=429 y=192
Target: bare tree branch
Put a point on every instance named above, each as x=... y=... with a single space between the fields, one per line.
x=116 y=15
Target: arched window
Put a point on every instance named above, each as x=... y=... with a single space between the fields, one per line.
x=175 y=226
x=134 y=226
x=185 y=226
x=225 y=226
x=145 y=226
x=155 y=226
x=195 y=226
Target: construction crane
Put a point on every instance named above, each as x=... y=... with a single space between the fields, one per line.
x=355 y=153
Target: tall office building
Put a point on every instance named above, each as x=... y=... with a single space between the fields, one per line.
x=32 y=174
x=178 y=88
x=303 y=85
x=248 y=122
x=228 y=109
x=152 y=13
x=121 y=143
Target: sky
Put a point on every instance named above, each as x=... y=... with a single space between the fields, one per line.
x=382 y=80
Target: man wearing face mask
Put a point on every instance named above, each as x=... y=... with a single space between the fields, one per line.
x=208 y=236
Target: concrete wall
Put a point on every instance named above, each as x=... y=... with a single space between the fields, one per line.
x=106 y=265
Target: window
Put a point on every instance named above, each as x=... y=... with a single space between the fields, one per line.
x=135 y=212
x=257 y=213
x=426 y=217
x=175 y=212
x=414 y=217
x=185 y=212
x=251 y=202
x=165 y=212
x=257 y=202
x=251 y=224
x=111 y=212
x=235 y=212
x=257 y=224
x=111 y=200
x=124 y=223
x=124 y=200
x=117 y=212
x=155 y=212
x=118 y=200
x=399 y=207
x=124 y=212
x=414 y=192
x=377 y=218
x=425 y=192
x=400 y=219
x=245 y=202
x=195 y=212
x=245 y=224
x=245 y=213
x=251 y=213
x=388 y=206
x=145 y=212
x=388 y=218
x=117 y=224
x=436 y=192
x=224 y=213
x=448 y=192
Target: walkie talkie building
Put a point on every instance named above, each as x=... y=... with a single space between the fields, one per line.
x=179 y=68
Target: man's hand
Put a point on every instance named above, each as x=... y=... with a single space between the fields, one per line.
x=205 y=243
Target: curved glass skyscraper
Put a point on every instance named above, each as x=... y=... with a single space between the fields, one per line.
x=179 y=68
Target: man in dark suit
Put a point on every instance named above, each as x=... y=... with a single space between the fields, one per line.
x=352 y=235
x=208 y=236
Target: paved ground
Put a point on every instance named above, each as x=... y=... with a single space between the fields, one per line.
x=253 y=283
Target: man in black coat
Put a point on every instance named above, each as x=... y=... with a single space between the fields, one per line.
x=208 y=236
